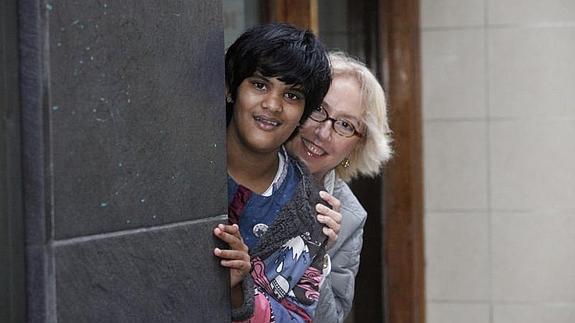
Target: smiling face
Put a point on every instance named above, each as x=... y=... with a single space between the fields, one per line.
x=265 y=114
x=317 y=144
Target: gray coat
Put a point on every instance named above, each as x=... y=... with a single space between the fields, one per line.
x=336 y=293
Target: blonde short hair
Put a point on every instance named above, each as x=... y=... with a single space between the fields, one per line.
x=374 y=149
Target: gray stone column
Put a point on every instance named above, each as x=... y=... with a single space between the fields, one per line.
x=123 y=160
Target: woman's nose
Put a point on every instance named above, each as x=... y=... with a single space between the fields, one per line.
x=324 y=129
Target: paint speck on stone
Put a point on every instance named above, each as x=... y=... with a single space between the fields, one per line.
x=143 y=200
x=55 y=108
x=77 y=22
x=49 y=7
x=104 y=204
x=120 y=164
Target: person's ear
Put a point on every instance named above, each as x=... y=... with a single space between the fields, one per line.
x=228 y=96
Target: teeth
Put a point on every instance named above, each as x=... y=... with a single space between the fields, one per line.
x=313 y=148
x=266 y=121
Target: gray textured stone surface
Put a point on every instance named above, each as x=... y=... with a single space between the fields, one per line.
x=123 y=161
x=165 y=274
x=136 y=119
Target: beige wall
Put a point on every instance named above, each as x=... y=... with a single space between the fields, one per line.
x=499 y=160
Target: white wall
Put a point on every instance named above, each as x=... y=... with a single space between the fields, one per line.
x=499 y=158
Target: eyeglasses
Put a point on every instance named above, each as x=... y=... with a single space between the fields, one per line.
x=341 y=126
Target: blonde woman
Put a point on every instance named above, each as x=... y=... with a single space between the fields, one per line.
x=345 y=137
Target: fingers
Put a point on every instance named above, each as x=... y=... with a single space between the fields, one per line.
x=234 y=259
x=241 y=265
x=331 y=200
x=332 y=236
x=329 y=217
x=231 y=235
x=331 y=230
x=232 y=254
x=237 y=261
x=232 y=229
x=237 y=258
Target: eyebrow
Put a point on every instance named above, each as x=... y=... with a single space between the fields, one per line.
x=344 y=115
x=298 y=87
x=294 y=87
x=259 y=75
